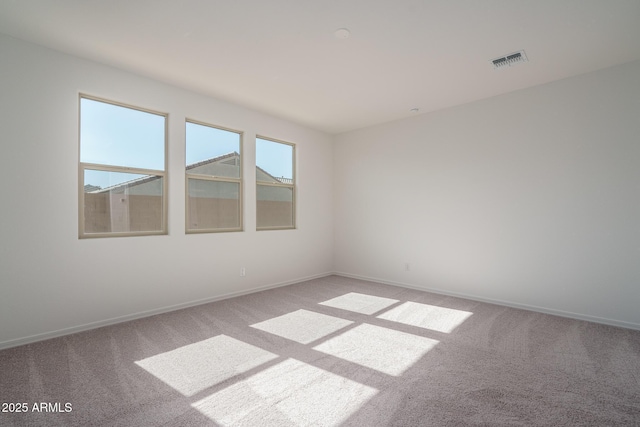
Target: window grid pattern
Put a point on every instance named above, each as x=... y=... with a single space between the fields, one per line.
x=275 y=192
x=214 y=186
x=133 y=202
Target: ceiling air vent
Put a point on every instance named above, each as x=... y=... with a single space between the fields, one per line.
x=509 y=60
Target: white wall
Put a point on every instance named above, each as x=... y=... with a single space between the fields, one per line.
x=51 y=282
x=530 y=198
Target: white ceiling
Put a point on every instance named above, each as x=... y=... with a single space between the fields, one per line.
x=281 y=56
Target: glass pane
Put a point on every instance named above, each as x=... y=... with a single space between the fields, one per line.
x=274 y=207
x=117 y=202
x=274 y=161
x=213 y=204
x=212 y=151
x=121 y=136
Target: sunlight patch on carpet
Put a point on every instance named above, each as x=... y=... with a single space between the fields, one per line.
x=302 y=326
x=427 y=316
x=360 y=303
x=196 y=367
x=291 y=393
x=385 y=350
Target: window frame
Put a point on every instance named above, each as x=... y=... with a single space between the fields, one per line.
x=203 y=177
x=292 y=186
x=82 y=166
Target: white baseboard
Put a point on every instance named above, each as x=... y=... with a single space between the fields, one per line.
x=112 y=321
x=561 y=313
x=120 y=319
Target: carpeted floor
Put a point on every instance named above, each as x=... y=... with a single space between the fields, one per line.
x=328 y=352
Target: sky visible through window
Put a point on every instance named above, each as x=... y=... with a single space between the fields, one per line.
x=275 y=158
x=113 y=135
x=117 y=136
x=206 y=142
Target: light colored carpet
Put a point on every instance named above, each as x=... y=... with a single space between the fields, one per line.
x=329 y=352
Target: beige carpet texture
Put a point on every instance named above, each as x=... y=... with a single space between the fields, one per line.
x=333 y=351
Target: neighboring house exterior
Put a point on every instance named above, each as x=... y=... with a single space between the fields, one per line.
x=136 y=205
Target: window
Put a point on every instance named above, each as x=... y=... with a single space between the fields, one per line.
x=214 y=178
x=275 y=184
x=122 y=173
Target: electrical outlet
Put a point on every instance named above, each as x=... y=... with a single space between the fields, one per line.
x=243 y=272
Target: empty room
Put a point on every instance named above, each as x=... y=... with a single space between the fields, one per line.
x=320 y=213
